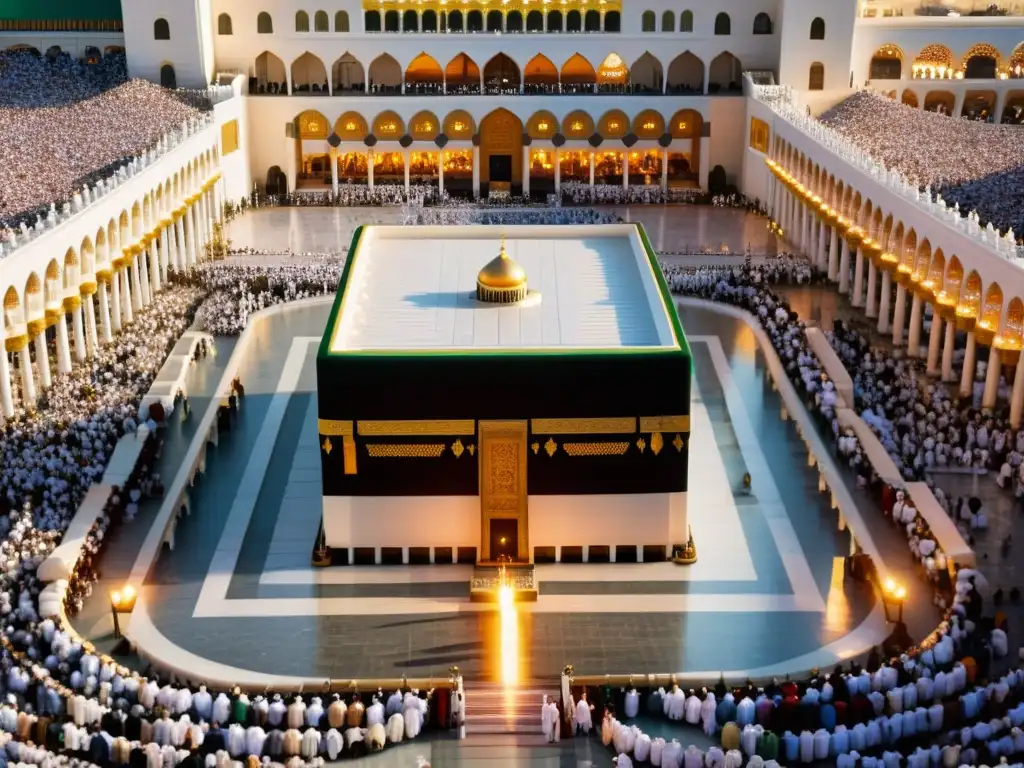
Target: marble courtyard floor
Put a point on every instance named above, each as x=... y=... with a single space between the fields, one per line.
x=766 y=595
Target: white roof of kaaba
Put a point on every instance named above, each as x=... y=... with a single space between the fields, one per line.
x=412 y=288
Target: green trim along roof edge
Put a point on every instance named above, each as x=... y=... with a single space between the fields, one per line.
x=61 y=10
x=682 y=348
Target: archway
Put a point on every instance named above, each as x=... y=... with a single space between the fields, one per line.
x=934 y=60
x=501 y=153
x=501 y=76
x=540 y=75
x=979 y=105
x=309 y=76
x=886 y=63
x=277 y=182
x=612 y=74
x=424 y=75
x=646 y=75
x=269 y=74
x=348 y=75
x=167 y=76
x=578 y=75
x=981 y=62
x=684 y=166
x=939 y=101
x=385 y=75
x=724 y=74
x=686 y=74
x=462 y=75
x=910 y=98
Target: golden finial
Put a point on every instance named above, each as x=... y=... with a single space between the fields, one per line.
x=501 y=251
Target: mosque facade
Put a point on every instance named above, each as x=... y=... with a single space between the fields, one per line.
x=478 y=422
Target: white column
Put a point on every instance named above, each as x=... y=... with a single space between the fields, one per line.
x=625 y=169
x=871 y=305
x=934 y=343
x=967 y=374
x=105 y=313
x=91 y=340
x=6 y=397
x=440 y=171
x=42 y=360
x=820 y=261
x=1016 y=396
x=63 y=347
x=334 y=173
x=833 y=255
x=369 y=159
x=133 y=271
x=593 y=174
x=28 y=383
x=177 y=252
x=476 y=172
x=844 y=267
x=914 y=335
x=858 y=279
x=948 y=347
x=995 y=367
x=526 y=170
x=405 y=164
x=558 y=175
x=79 y=331
x=899 y=316
x=664 y=167
x=153 y=286
x=127 y=315
x=115 y=302
x=190 y=240
x=884 y=317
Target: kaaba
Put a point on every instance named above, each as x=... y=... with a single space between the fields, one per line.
x=492 y=394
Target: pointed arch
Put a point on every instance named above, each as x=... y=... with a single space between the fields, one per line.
x=725 y=73
x=270 y=74
x=462 y=73
x=1011 y=334
x=385 y=74
x=424 y=69
x=613 y=70
x=347 y=74
x=309 y=75
x=686 y=74
x=922 y=261
x=991 y=308
x=577 y=70
x=501 y=75
x=969 y=303
x=646 y=74
x=540 y=72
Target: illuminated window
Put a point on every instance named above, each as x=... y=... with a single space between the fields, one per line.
x=228 y=137
x=758 y=135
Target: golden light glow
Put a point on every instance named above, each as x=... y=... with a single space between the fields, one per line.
x=649 y=125
x=389 y=127
x=837 y=606
x=542 y=125
x=577 y=125
x=128 y=592
x=459 y=126
x=115 y=597
x=350 y=126
x=509 y=636
x=895 y=591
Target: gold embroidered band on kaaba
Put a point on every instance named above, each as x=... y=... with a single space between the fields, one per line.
x=332 y=428
x=664 y=423
x=428 y=427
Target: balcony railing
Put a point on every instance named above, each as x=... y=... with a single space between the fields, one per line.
x=781 y=100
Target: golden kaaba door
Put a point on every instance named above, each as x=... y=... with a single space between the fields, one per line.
x=503 y=497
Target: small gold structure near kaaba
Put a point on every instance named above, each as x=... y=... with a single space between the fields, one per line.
x=688 y=554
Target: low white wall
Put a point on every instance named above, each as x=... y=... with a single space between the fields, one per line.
x=402 y=521
x=608 y=519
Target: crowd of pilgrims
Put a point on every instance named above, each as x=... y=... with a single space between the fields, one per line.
x=62 y=701
x=70 y=122
x=972 y=164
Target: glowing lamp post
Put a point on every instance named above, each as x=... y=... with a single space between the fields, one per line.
x=122 y=601
x=893 y=597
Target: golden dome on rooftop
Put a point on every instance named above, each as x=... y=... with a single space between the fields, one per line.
x=502 y=280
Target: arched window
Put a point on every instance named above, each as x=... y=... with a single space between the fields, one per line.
x=301 y=21
x=341 y=21
x=762 y=24
x=647 y=22
x=392 y=21
x=818 y=28
x=410 y=21
x=474 y=21
x=454 y=20
x=592 y=21
x=816 y=81
x=167 y=78
x=514 y=21
x=723 y=25
x=554 y=21
x=223 y=24
x=668 y=22
x=429 y=21
x=371 y=21
x=612 y=21
x=161 y=30
x=494 y=21
x=534 y=21
x=264 y=24
x=686 y=21
x=321 y=22
x=573 y=21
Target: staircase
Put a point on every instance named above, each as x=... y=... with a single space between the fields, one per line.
x=491 y=708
